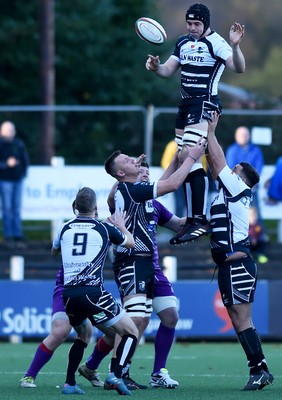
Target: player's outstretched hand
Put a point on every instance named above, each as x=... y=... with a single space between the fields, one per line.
x=199 y=149
x=153 y=63
x=236 y=33
x=118 y=219
x=212 y=123
x=140 y=159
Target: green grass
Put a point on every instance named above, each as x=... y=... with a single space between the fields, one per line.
x=212 y=371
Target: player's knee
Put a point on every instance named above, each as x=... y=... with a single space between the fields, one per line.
x=60 y=330
x=136 y=307
x=128 y=326
x=169 y=317
x=84 y=331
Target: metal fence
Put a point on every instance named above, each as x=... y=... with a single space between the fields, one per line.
x=152 y=116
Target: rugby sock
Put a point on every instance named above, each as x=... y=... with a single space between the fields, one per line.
x=263 y=363
x=75 y=356
x=41 y=357
x=252 y=347
x=163 y=342
x=197 y=182
x=125 y=351
x=113 y=364
x=101 y=350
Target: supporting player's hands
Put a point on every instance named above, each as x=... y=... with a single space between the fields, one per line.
x=118 y=219
x=236 y=33
x=212 y=123
x=140 y=159
x=198 y=150
x=153 y=63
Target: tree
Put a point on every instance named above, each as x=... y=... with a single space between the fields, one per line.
x=100 y=61
x=47 y=69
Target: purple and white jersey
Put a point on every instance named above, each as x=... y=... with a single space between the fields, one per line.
x=59 y=285
x=162 y=286
x=202 y=64
x=58 y=304
x=161 y=216
x=84 y=243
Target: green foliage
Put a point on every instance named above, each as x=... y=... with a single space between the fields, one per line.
x=100 y=61
x=268 y=72
x=107 y=62
x=19 y=43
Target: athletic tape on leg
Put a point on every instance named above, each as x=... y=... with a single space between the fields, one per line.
x=136 y=306
x=179 y=141
x=192 y=135
x=161 y=303
x=149 y=307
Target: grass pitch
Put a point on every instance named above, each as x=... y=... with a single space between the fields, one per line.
x=205 y=371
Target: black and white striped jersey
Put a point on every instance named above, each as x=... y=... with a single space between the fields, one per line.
x=137 y=200
x=230 y=214
x=202 y=64
x=84 y=244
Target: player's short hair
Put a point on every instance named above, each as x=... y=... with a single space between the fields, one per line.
x=250 y=173
x=109 y=163
x=85 y=201
x=199 y=12
x=145 y=164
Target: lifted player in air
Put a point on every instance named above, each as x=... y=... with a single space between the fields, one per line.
x=202 y=54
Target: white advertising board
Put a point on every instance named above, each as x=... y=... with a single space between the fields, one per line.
x=49 y=191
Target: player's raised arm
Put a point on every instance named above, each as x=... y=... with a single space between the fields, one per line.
x=165 y=70
x=237 y=62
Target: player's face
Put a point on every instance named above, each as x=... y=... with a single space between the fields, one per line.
x=195 y=28
x=144 y=175
x=126 y=164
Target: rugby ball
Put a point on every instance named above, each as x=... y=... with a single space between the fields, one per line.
x=150 y=30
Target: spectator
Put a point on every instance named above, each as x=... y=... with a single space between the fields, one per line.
x=274 y=185
x=243 y=150
x=14 y=162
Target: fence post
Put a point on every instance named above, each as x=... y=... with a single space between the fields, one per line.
x=16 y=274
x=17 y=268
x=56 y=162
x=279 y=233
x=170 y=268
x=149 y=128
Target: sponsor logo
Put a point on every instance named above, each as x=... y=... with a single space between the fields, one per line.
x=28 y=322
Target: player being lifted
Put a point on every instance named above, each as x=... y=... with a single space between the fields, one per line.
x=202 y=54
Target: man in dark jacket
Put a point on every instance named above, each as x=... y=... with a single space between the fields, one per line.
x=14 y=162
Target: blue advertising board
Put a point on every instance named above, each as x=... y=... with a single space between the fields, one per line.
x=26 y=308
